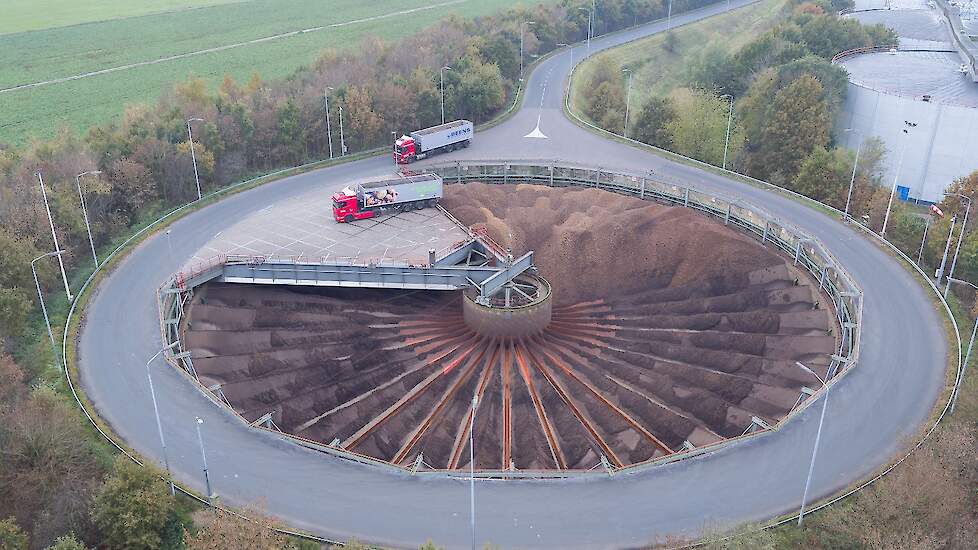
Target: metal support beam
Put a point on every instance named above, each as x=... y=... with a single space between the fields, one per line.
x=489 y=286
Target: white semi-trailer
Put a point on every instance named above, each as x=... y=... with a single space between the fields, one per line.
x=442 y=138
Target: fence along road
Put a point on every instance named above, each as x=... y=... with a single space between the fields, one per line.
x=874 y=408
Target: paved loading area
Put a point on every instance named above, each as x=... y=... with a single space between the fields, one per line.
x=303 y=229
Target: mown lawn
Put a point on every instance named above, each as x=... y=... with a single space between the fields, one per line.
x=32 y=15
x=61 y=52
x=658 y=72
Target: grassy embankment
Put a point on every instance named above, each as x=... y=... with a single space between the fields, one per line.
x=656 y=71
x=129 y=38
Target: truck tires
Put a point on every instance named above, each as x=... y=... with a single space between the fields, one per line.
x=348 y=218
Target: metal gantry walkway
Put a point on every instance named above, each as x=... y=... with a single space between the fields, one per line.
x=476 y=262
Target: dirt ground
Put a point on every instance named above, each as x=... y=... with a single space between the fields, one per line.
x=669 y=329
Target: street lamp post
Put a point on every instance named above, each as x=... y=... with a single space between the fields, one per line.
x=54 y=236
x=342 y=140
x=329 y=128
x=726 y=141
x=522 y=29
x=957 y=248
x=920 y=253
x=947 y=248
x=669 y=17
x=193 y=154
x=44 y=309
x=169 y=244
x=967 y=356
x=896 y=175
x=589 y=17
x=852 y=179
x=628 y=98
x=159 y=425
x=818 y=437
x=81 y=197
x=447 y=68
x=475 y=403
x=203 y=456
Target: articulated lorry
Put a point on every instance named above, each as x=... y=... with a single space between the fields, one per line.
x=398 y=193
x=437 y=139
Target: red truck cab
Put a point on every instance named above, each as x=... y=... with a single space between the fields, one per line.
x=405 y=150
x=346 y=208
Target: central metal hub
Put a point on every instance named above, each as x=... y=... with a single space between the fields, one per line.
x=520 y=309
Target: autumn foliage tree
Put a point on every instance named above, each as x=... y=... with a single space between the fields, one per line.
x=216 y=529
x=795 y=123
x=132 y=507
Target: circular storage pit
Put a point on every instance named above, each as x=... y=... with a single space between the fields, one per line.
x=666 y=329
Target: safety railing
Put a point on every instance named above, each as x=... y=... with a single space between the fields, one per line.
x=805 y=251
x=866 y=49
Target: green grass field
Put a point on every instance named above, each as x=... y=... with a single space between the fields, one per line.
x=657 y=71
x=61 y=52
x=31 y=15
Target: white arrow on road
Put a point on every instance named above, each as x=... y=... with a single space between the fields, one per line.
x=536 y=133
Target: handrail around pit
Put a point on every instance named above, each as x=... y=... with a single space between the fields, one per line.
x=805 y=251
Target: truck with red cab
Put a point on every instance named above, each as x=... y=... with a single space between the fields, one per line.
x=437 y=139
x=398 y=193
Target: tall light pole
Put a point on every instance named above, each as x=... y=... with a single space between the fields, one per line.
x=947 y=247
x=726 y=142
x=169 y=244
x=159 y=425
x=81 y=197
x=44 y=309
x=193 y=155
x=967 y=356
x=329 y=128
x=896 y=175
x=342 y=141
x=818 y=438
x=54 y=236
x=920 y=253
x=669 y=17
x=628 y=97
x=475 y=403
x=203 y=456
x=589 y=17
x=522 y=29
x=852 y=179
x=964 y=226
x=447 y=68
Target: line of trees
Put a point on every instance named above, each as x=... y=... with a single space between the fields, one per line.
x=786 y=95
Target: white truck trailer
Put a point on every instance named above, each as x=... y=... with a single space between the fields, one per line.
x=442 y=138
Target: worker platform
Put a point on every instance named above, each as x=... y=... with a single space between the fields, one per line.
x=297 y=242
